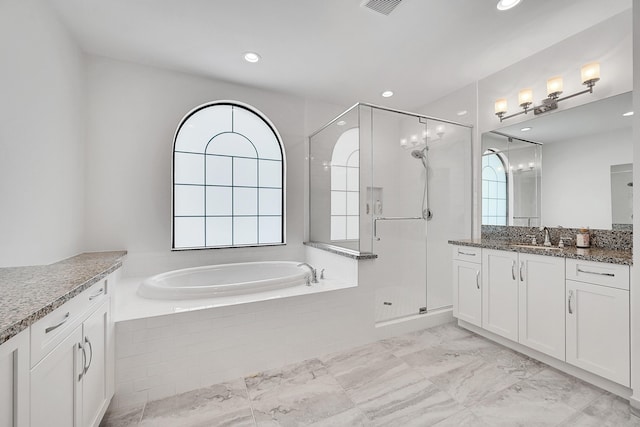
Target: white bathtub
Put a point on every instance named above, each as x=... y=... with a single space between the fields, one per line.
x=223 y=280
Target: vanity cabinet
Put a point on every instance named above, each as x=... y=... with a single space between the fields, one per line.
x=467 y=286
x=14 y=381
x=541 y=303
x=70 y=383
x=523 y=299
x=597 y=316
x=500 y=294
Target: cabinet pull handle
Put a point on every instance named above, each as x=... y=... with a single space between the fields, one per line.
x=84 y=360
x=595 y=272
x=513 y=270
x=569 y=302
x=86 y=368
x=54 y=327
x=521 y=267
x=97 y=294
x=478 y=279
x=466 y=253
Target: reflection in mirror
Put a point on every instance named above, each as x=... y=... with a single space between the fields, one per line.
x=510 y=181
x=580 y=146
x=622 y=196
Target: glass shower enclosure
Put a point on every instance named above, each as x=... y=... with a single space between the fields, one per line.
x=397 y=185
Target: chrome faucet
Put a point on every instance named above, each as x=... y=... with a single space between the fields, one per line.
x=547 y=237
x=314 y=277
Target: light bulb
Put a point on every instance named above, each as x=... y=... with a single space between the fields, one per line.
x=554 y=86
x=525 y=97
x=590 y=73
x=501 y=106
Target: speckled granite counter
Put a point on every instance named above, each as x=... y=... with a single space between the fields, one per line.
x=27 y=294
x=613 y=256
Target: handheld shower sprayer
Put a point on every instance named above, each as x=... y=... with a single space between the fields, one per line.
x=422 y=155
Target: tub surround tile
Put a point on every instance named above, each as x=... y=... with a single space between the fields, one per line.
x=27 y=294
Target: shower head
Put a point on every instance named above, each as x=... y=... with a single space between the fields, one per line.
x=419 y=154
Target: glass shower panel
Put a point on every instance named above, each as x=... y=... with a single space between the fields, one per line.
x=394 y=200
x=334 y=162
x=449 y=189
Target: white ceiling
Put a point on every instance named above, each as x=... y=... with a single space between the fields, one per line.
x=331 y=50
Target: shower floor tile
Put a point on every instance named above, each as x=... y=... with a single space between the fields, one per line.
x=444 y=376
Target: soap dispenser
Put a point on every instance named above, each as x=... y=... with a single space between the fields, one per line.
x=582 y=238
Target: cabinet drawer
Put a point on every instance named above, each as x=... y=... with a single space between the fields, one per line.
x=599 y=273
x=467 y=253
x=52 y=329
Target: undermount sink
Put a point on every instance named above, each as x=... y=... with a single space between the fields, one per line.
x=549 y=248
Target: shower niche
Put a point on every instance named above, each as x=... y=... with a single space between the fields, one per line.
x=374 y=176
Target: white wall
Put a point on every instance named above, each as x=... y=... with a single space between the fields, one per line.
x=42 y=82
x=577 y=167
x=133 y=113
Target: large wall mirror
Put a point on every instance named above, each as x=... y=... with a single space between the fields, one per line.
x=572 y=168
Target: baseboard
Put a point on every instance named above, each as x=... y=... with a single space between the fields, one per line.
x=596 y=380
x=634 y=406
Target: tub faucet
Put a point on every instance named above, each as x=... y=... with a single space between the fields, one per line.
x=547 y=237
x=314 y=277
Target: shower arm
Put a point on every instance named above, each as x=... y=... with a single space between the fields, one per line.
x=391 y=218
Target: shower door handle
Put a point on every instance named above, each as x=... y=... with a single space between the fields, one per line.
x=391 y=218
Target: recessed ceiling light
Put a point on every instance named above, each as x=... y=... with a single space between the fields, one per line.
x=527 y=129
x=251 y=57
x=341 y=123
x=507 y=4
x=387 y=94
x=462 y=112
x=628 y=113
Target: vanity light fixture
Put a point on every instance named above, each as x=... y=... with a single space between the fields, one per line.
x=414 y=141
x=590 y=74
x=507 y=4
x=251 y=57
x=387 y=94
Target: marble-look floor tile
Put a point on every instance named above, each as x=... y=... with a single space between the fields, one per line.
x=345 y=361
x=553 y=385
x=224 y=404
x=129 y=417
x=474 y=381
x=410 y=343
x=433 y=361
x=298 y=395
x=516 y=364
x=353 y=417
x=450 y=331
x=606 y=411
x=522 y=405
x=464 y=418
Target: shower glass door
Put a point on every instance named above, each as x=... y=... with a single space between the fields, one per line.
x=395 y=200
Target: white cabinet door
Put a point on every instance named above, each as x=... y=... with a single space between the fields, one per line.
x=541 y=304
x=598 y=330
x=95 y=398
x=467 y=292
x=14 y=381
x=500 y=293
x=56 y=385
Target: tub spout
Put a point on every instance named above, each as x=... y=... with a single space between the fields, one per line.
x=314 y=278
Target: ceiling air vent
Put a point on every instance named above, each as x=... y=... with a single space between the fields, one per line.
x=384 y=7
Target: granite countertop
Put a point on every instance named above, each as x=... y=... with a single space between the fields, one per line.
x=612 y=256
x=27 y=294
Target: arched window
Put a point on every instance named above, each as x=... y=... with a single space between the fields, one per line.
x=345 y=187
x=494 y=189
x=228 y=179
